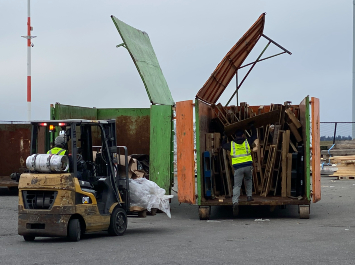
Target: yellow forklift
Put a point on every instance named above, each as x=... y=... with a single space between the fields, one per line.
x=79 y=192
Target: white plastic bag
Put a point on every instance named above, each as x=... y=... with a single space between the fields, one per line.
x=147 y=194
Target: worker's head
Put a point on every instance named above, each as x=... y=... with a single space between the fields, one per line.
x=59 y=141
x=239 y=133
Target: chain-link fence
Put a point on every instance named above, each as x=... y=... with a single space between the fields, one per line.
x=335 y=132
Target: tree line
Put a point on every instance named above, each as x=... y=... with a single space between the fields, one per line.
x=337 y=138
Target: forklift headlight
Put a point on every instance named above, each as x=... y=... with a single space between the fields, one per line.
x=85 y=200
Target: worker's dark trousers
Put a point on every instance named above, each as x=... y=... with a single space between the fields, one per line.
x=239 y=174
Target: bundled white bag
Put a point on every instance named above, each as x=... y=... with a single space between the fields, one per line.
x=147 y=194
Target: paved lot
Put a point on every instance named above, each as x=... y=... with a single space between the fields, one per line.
x=327 y=238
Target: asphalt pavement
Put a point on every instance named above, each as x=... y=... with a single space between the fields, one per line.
x=257 y=236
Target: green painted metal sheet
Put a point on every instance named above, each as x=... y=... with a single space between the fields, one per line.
x=198 y=152
x=160 y=146
x=172 y=152
x=305 y=121
x=141 y=50
x=61 y=112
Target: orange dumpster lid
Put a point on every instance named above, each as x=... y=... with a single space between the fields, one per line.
x=226 y=69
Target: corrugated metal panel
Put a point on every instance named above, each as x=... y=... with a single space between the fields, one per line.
x=15 y=142
x=132 y=128
x=185 y=151
x=226 y=69
x=141 y=50
x=160 y=146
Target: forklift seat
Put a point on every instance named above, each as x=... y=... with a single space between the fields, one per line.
x=87 y=187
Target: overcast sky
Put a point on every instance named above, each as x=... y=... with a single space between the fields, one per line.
x=75 y=61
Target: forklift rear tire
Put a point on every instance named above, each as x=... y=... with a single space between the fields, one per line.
x=29 y=238
x=74 y=230
x=118 y=222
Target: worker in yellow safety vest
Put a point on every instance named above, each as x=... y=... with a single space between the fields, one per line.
x=59 y=145
x=242 y=163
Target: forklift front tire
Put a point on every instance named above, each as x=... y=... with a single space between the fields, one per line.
x=118 y=222
x=29 y=238
x=74 y=230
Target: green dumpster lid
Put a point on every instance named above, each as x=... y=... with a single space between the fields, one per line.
x=141 y=50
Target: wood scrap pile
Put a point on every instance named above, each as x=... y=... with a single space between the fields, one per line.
x=277 y=151
x=345 y=165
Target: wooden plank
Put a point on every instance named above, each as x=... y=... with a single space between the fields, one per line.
x=213 y=142
x=222 y=172
x=258 y=121
x=288 y=176
x=293 y=147
x=185 y=152
x=269 y=171
x=316 y=185
x=293 y=118
x=275 y=139
x=285 y=150
x=228 y=174
x=261 y=110
x=295 y=132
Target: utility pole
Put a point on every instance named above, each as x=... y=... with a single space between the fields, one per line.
x=29 y=45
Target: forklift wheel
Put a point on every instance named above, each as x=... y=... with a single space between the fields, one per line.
x=29 y=238
x=74 y=230
x=118 y=222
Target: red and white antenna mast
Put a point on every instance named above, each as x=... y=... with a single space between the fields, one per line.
x=29 y=45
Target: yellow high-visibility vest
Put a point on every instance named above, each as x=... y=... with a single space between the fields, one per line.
x=240 y=153
x=57 y=151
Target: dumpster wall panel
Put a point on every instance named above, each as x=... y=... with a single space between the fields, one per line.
x=132 y=127
x=304 y=119
x=160 y=145
x=15 y=141
x=73 y=112
x=185 y=152
x=316 y=184
x=204 y=114
x=62 y=112
x=141 y=50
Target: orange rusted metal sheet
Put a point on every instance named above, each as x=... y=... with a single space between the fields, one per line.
x=226 y=69
x=316 y=185
x=185 y=152
x=15 y=142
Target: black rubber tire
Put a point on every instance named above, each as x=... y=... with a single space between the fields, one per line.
x=74 y=230
x=29 y=238
x=118 y=222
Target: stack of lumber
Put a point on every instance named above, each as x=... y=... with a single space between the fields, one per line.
x=341 y=148
x=279 y=136
x=345 y=165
